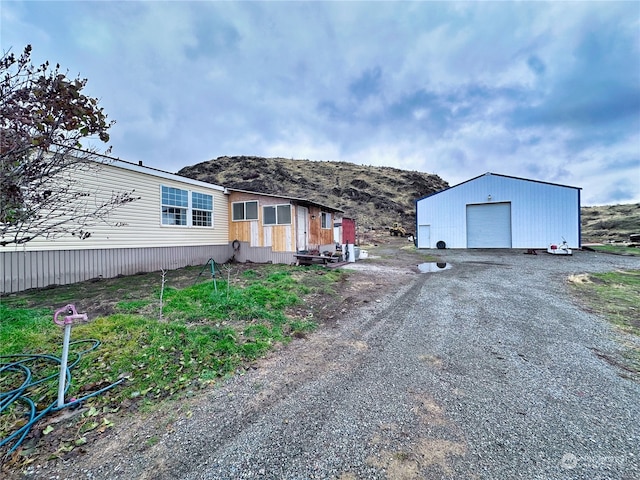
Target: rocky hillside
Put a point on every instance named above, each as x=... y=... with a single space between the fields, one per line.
x=375 y=196
x=610 y=223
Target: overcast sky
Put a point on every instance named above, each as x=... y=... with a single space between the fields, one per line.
x=548 y=91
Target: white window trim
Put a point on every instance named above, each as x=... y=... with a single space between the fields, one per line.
x=189 y=209
x=245 y=219
x=276 y=208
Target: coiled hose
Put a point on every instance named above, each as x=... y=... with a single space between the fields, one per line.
x=18 y=363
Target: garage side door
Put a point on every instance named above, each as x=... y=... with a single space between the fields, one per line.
x=489 y=225
x=424 y=236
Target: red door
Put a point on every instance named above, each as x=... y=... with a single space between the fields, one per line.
x=349 y=231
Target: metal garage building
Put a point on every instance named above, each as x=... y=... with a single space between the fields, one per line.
x=499 y=211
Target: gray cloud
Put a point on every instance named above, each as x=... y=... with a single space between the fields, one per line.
x=543 y=90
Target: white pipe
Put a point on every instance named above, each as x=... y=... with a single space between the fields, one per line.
x=63 y=364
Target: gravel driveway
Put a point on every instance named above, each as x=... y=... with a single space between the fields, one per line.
x=487 y=370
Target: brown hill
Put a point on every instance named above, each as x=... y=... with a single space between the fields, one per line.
x=610 y=223
x=375 y=196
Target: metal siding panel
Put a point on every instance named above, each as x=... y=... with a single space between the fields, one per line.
x=50 y=268
x=60 y=265
x=13 y=271
x=64 y=267
x=263 y=255
x=15 y=277
x=27 y=273
x=7 y=268
x=16 y=269
x=47 y=272
x=545 y=214
x=7 y=273
x=96 y=260
x=41 y=269
x=445 y=213
x=23 y=274
x=82 y=265
x=36 y=273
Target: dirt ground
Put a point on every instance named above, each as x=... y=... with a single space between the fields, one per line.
x=391 y=263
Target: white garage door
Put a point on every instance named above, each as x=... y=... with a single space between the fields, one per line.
x=489 y=225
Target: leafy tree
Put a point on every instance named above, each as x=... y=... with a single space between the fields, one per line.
x=44 y=117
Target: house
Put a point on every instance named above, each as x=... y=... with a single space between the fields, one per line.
x=272 y=228
x=175 y=222
x=499 y=211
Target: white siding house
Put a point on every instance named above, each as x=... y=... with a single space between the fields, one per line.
x=176 y=222
x=498 y=211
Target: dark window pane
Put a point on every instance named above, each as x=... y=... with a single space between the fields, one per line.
x=269 y=215
x=238 y=211
x=284 y=214
x=175 y=197
x=174 y=216
x=201 y=218
x=201 y=201
x=251 y=210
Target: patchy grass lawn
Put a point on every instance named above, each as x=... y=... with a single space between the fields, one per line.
x=199 y=332
x=617 y=249
x=616 y=296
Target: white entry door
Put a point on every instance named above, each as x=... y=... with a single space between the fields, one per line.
x=424 y=236
x=489 y=225
x=302 y=225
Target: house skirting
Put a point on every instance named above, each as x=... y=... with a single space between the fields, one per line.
x=246 y=253
x=23 y=270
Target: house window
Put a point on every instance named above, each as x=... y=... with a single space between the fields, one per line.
x=180 y=208
x=325 y=220
x=244 y=210
x=276 y=215
x=175 y=203
x=201 y=209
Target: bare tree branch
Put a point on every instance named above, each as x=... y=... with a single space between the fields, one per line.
x=44 y=118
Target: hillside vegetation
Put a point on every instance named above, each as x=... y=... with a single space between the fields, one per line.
x=610 y=223
x=375 y=196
